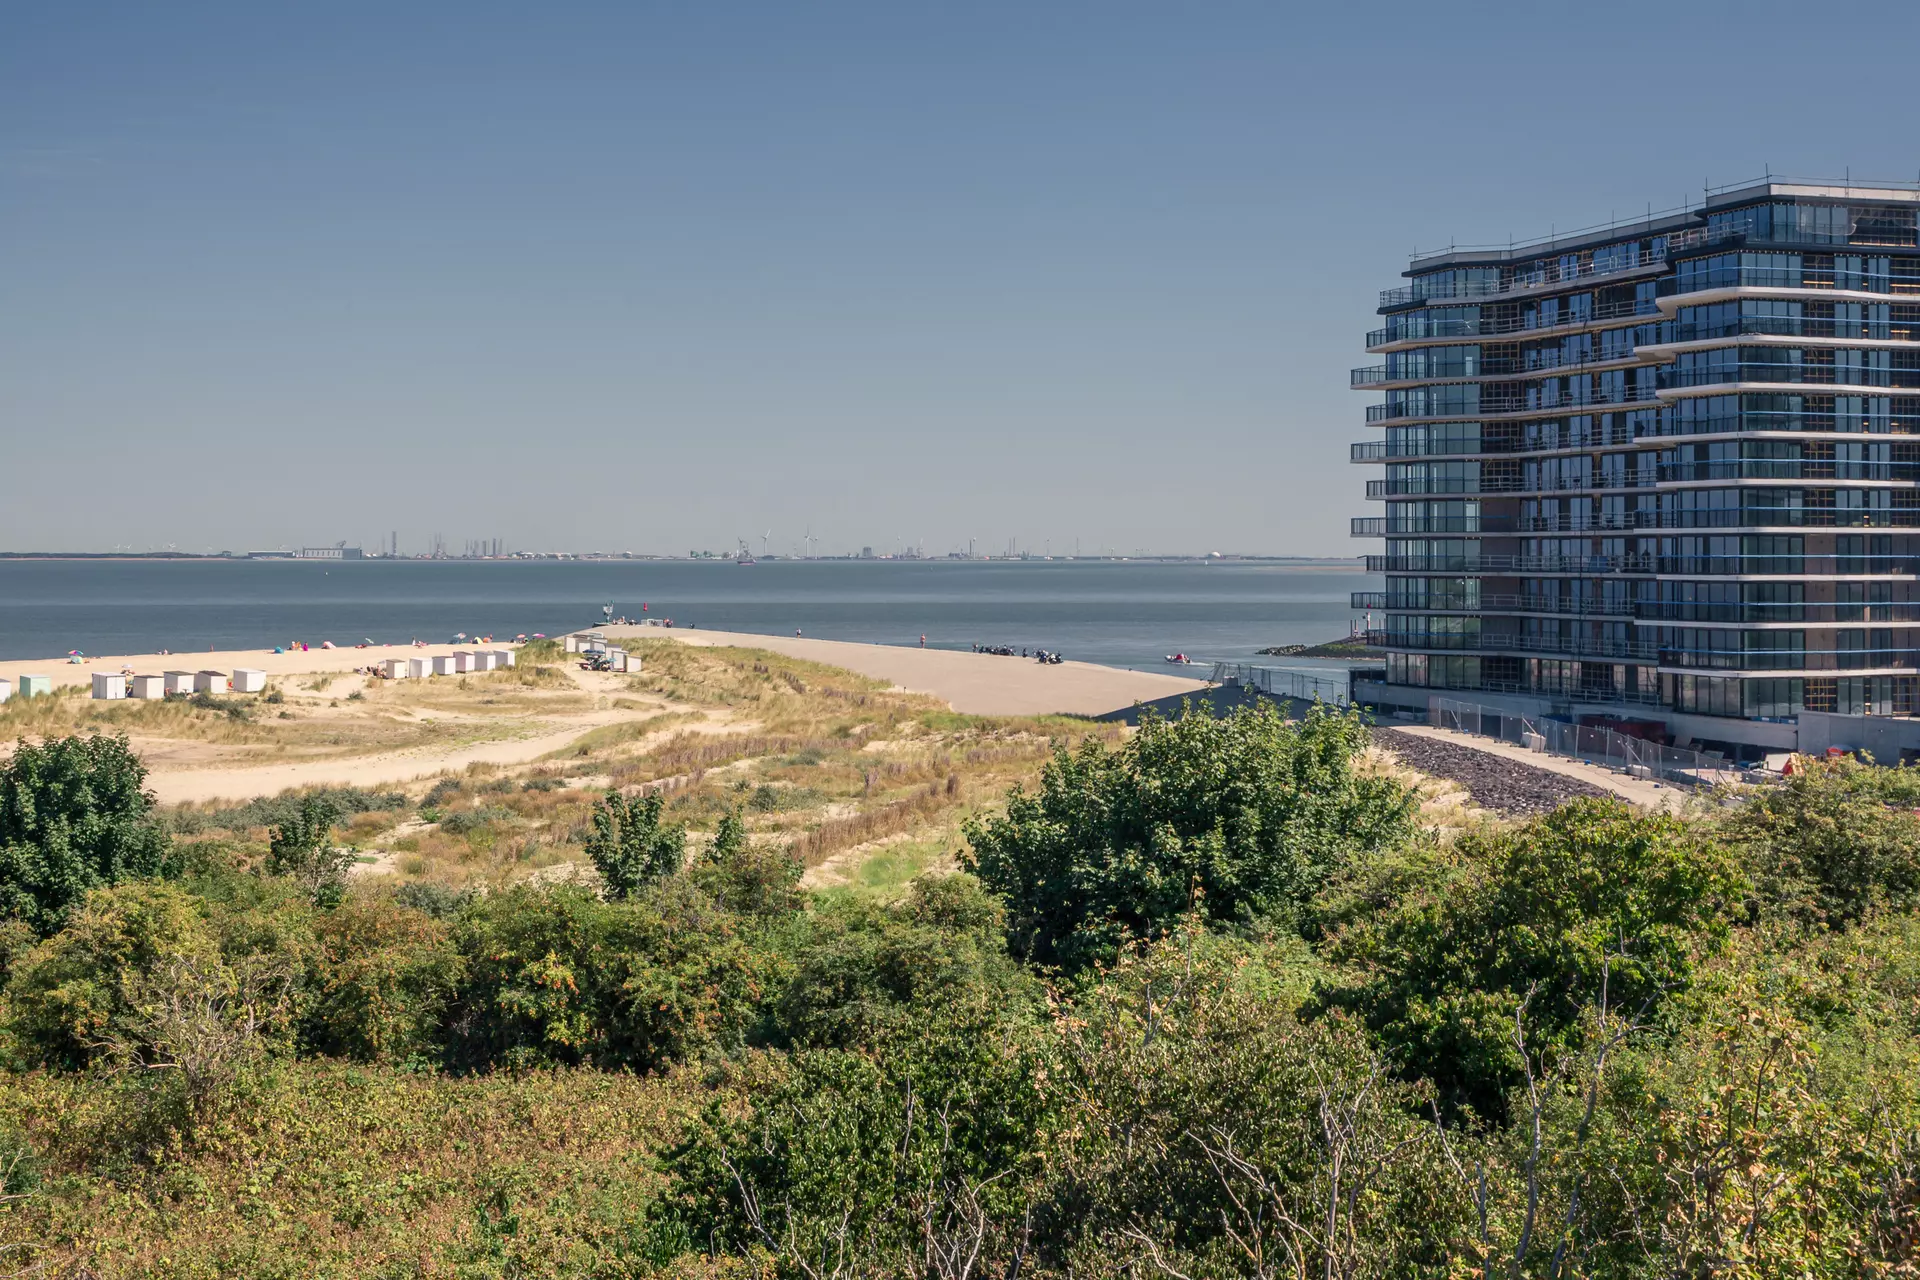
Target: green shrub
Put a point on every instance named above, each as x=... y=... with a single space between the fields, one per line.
x=1833 y=843
x=1593 y=898
x=1246 y=816
x=74 y=815
x=381 y=979
x=556 y=975
x=631 y=846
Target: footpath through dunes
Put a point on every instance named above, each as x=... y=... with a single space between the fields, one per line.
x=979 y=684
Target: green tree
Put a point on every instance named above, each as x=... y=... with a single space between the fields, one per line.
x=631 y=846
x=74 y=815
x=1244 y=817
x=301 y=848
x=754 y=879
x=1834 y=842
x=1592 y=898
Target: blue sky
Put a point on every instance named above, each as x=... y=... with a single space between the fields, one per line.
x=654 y=277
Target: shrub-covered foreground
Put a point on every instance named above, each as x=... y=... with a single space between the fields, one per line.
x=1209 y=1005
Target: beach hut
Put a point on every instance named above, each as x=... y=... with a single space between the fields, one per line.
x=485 y=660
x=443 y=665
x=462 y=660
x=35 y=686
x=572 y=644
x=419 y=668
x=6 y=690
x=397 y=668
x=249 y=680
x=505 y=656
x=147 y=687
x=616 y=658
x=209 y=682
x=109 y=685
x=180 y=682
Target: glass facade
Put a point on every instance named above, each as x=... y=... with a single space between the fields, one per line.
x=1678 y=465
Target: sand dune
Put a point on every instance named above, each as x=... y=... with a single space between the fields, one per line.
x=974 y=683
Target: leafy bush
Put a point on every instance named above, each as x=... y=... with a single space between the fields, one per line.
x=863 y=973
x=754 y=879
x=462 y=822
x=556 y=975
x=1246 y=816
x=301 y=849
x=74 y=815
x=1594 y=899
x=273 y=811
x=1832 y=843
x=436 y=900
x=381 y=978
x=631 y=846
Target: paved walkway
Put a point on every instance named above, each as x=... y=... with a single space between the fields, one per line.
x=973 y=683
x=1651 y=795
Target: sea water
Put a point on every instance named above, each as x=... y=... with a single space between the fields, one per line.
x=1121 y=613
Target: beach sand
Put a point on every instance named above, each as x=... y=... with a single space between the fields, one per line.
x=311 y=662
x=980 y=684
x=975 y=684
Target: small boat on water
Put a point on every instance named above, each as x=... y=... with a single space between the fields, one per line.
x=1180 y=660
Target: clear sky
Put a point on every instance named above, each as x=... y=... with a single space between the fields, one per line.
x=659 y=276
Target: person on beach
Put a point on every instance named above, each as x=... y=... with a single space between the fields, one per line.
x=923 y=642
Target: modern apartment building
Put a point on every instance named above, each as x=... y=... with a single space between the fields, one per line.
x=1666 y=470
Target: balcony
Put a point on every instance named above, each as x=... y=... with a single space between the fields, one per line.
x=1369 y=527
x=1368 y=377
x=1524 y=323
x=1578 y=647
x=1497 y=564
x=1368 y=451
x=1367 y=600
x=1518 y=283
x=1788 y=469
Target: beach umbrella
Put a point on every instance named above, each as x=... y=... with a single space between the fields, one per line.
x=326 y=644
x=459 y=636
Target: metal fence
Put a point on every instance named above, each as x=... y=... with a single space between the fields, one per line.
x=1591 y=743
x=1281 y=683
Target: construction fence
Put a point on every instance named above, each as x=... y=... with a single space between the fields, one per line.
x=1593 y=744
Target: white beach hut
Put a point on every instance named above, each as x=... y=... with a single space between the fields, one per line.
x=249 y=680
x=485 y=660
x=462 y=660
x=109 y=684
x=209 y=682
x=616 y=658
x=443 y=665
x=397 y=668
x=6 y=690
x=35 y=686
x=147 y=687
x=180 y=682
x=419 y=668
x=572 y=643
x=505 y=656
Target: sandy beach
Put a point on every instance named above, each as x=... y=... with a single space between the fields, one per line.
x=417 y=729
x=980 y=684
x=299 y=663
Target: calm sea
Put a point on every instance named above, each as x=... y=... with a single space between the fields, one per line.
x=1118 y=613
